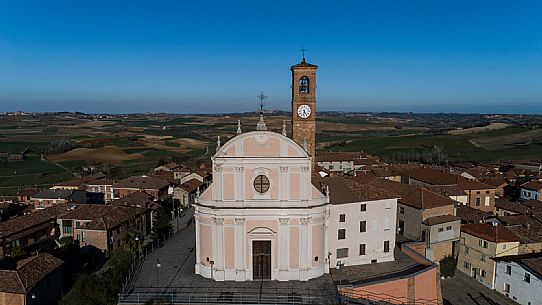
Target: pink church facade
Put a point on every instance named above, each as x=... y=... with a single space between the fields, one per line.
x=261 y=218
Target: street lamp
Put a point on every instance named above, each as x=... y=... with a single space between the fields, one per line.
x=158 y=265
x=138 y=241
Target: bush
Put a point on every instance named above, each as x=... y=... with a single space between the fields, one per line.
x=448 y=266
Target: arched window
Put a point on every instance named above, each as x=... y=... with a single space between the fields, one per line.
x=304 y=85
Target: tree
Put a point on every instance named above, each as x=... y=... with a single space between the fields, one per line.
x=161 y=225
x=448 y=266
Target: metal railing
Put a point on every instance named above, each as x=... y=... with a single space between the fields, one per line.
x=221 y=298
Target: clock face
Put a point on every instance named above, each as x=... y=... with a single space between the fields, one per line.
x=304 y=111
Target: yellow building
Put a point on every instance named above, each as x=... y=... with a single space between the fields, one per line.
x=480 y=243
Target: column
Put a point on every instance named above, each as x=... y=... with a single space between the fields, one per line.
x=239 y=194
x=284 y=191
x=240 y=249
x=218 y=248
x=198 y=260
x=284 y=248
x=303 y=247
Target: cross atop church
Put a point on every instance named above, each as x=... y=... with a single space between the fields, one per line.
x=262 y=98
x=303 y=52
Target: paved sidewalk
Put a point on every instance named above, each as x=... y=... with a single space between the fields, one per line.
x=464 y=290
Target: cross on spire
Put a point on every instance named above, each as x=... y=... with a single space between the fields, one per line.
x=262 y=98
x=303 y=52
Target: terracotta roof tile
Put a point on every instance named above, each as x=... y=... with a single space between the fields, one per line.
x=29 y=272
x=532 y=185
x=102 y=217
x=142 y=183
x=431 y=221
x=191 y=185
x=345 y=190
x=487 y=231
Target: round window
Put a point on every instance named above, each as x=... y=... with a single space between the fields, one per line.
x=261 y=184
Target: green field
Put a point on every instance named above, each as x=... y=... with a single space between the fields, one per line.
x=457 y=147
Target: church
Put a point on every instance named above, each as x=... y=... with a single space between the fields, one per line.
x=266 y=216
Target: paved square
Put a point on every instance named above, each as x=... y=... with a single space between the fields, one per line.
x=176 y=276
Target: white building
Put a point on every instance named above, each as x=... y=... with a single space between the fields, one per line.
x=519 y=277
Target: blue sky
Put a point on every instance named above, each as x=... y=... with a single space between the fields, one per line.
x=206 y=56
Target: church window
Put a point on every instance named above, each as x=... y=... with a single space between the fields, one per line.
x=261 y=184
x=304 y=85
x=342 y=217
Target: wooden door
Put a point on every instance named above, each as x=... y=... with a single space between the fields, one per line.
x=261 y=260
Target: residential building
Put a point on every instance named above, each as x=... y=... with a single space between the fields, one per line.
x=345 y=161
x=471 y=215
x=104 y=227
x=101 y=186
x=479 y=195
x=361 y=223
x=422 y=215
x=151 y=185
x=31 y=232
x=479 y=244
x=186 y=192
x=528 y=229
x=24 y=196
x=505 y=207
x=531 y=190
x=519 y=277
x=36 y=280
x=49 y=198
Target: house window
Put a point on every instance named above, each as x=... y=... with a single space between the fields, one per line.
x=508 y=270
x=478 y=200
x=342 y=217
x=448 y=228
x=342 y=233
x=441 y=229
x=487 y=198
x=402 y=210
x=483 y=243
x=363 y=207
x=342 y=252
x=506 y=288
x=527 y=277
x=466 y=250
x=362 y=249
x=482 y=257
x=466 y=265
x=363 y=226
x=482 y=273
x=387 y=246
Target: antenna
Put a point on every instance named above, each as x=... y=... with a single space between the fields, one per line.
x=262 y=98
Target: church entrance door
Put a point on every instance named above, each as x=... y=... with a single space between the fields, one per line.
x=261 y=260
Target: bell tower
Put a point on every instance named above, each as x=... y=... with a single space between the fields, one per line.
x=304 y=106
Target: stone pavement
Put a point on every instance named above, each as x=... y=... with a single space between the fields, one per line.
x=464 y=290
x=176 y=274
